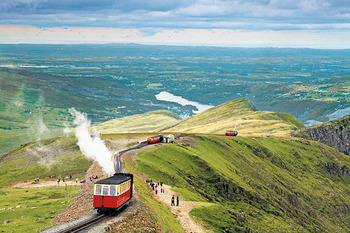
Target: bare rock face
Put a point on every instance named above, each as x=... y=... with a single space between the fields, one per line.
x=334 y=133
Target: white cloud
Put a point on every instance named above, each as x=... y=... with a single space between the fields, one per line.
x=219 y=37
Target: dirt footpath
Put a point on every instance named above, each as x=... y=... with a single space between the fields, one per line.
x=42 y=184
x=182 y=211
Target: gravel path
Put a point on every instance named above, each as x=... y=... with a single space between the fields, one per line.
x=182 y=211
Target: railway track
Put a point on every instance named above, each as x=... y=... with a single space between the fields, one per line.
x=118 y=164
x=97 y=219
x=143 y=144
x=85 y=224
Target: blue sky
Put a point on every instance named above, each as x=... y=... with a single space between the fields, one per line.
x=319 y=20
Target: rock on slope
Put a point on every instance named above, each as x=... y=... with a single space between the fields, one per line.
x=334 y=133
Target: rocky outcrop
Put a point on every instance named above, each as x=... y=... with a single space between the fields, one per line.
x=334 y=133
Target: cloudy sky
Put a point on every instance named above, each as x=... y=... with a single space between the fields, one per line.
x=280 y=23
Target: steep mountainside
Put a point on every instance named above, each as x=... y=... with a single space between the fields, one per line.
x=334 y=133
x=242 y=115
x=257 y=185
x=148 y=122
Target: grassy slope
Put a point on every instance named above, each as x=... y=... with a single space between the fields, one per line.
x=54 y=156
x=148 y=122
x=241 y=114
x=30 y=210
x=60 y=157
x=164 y=218
x=267 y=185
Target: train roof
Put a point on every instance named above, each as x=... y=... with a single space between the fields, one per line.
x=116 y=179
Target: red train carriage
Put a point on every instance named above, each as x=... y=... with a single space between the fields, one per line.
x=231 y=133
x=113 y=192
x=154 y=139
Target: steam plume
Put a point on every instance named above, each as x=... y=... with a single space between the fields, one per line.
x=92 y=147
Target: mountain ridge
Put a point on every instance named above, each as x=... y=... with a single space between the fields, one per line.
x=239 y=114
x=335 y=133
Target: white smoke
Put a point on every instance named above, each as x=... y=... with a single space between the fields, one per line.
x=37 y=129
x=92 y=147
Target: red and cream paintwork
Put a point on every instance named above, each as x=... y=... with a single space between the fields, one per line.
x=113 y=192
x=154 y=139
x=231 y=133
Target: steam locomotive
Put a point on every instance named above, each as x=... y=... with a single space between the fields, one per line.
x=113 y=193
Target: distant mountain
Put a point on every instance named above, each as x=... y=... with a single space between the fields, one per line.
x=334 y=133
x=241 y=115
x=148 y=122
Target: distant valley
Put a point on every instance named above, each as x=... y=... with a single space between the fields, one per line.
x=39 y=83
x=276 y=176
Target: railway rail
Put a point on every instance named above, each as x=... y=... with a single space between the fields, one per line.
x=85 y=224
x=97 y=219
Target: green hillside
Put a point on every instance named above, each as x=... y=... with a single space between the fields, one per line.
x=148 y=122
x=37 y=207
x=54 y=156
x=239 y=114
x=257 y=185
x=25 y=114
x=31 y=209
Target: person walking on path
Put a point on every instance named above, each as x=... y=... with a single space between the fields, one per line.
x=58 y=181
x=173 y=201
x=177 y=200
x=156 y=190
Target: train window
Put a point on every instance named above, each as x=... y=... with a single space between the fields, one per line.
x=113 y=190
x=105 y=190
x=98 y=190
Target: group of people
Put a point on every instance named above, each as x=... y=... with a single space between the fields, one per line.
x=64 y=179
x=93 y=177
x=155 y=186
x=173 y=200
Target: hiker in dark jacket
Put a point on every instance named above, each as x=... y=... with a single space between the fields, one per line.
x=173 y=201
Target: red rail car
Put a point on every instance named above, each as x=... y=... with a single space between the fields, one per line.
x=113 y=192
x=231 y=133
x=154 y=139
